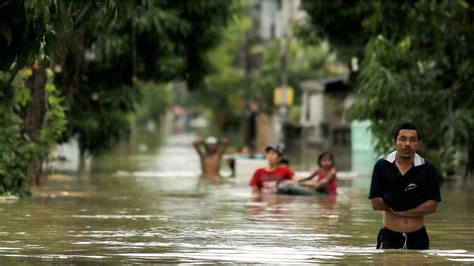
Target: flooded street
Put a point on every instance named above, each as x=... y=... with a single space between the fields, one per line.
x=151 y=207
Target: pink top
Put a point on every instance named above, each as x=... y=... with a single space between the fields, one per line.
x=322 y=174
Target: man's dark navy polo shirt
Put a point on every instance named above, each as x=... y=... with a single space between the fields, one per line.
x=404 y=192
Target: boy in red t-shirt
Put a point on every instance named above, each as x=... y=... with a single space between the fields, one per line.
x=265 y=180
x=326 y=173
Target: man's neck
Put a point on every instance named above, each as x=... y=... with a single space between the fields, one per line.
x=271 y=167
x=404 y=164
x=405 y=161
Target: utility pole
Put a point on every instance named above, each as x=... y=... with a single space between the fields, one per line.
x=285 y=41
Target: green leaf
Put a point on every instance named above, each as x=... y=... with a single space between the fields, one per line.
x=5 y=30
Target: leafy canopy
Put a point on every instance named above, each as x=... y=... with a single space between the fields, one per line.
x=417 y=67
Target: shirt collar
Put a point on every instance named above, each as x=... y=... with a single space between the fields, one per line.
x=417 y=161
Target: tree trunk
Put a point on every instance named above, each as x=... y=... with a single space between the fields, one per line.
x=470 y=159
x=35 y=117
x=34 y=172
x=82 y=161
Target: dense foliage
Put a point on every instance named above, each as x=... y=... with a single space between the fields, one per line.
x=98 y=51
x=417 y=67
x=158 y=41
x=340 y=22
x=18 y=149
x=246 y=70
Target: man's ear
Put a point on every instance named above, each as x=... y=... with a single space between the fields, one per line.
x=394 y=142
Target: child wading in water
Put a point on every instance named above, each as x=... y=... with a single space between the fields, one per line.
x=326 y=175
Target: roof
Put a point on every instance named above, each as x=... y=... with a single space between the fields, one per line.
x=338 y=82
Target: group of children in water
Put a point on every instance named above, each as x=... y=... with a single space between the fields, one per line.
x=275 y=178
x=278 y=177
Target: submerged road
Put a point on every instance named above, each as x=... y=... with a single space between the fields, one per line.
x=150 y=206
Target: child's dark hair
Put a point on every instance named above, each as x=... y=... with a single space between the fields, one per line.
x=320 y=157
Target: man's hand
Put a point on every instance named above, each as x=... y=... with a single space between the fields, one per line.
x=197 y=142
x=379 y=204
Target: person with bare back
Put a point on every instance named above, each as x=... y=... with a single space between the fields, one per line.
x=210 y=152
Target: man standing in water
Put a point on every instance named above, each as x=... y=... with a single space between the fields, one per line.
x=210 y=152
x=405 y=187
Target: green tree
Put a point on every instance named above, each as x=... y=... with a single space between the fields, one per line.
x=24 y=25
x=102 y=48
x=25 y=144
x=155 y=102
x=157 y=41
x=226 y=83
x=417 y=66
x=246 y=69
x=31 y=116
x=342 y=23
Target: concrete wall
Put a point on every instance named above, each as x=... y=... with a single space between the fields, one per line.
x=363 y=148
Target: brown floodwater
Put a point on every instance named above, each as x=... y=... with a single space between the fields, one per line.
x=150 y=206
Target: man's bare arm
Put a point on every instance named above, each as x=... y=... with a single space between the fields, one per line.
x=378 y=204
x=421 y=210
x=224 y=143
x=197 y=146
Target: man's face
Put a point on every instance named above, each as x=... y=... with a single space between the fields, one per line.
x=273 y=157
x=211 y=148
x=407 y=143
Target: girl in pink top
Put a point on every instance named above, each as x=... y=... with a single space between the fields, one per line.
x=326 y=175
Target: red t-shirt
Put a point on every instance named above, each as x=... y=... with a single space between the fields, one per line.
x=267 y=181
x=322 y=174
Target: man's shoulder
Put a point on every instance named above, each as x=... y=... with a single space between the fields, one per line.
x=381 y=162
x=428 y=164
x=382 y=167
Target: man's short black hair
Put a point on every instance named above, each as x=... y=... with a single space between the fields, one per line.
x=406 y=125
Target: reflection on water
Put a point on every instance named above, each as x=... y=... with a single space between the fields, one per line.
x=152 y=208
